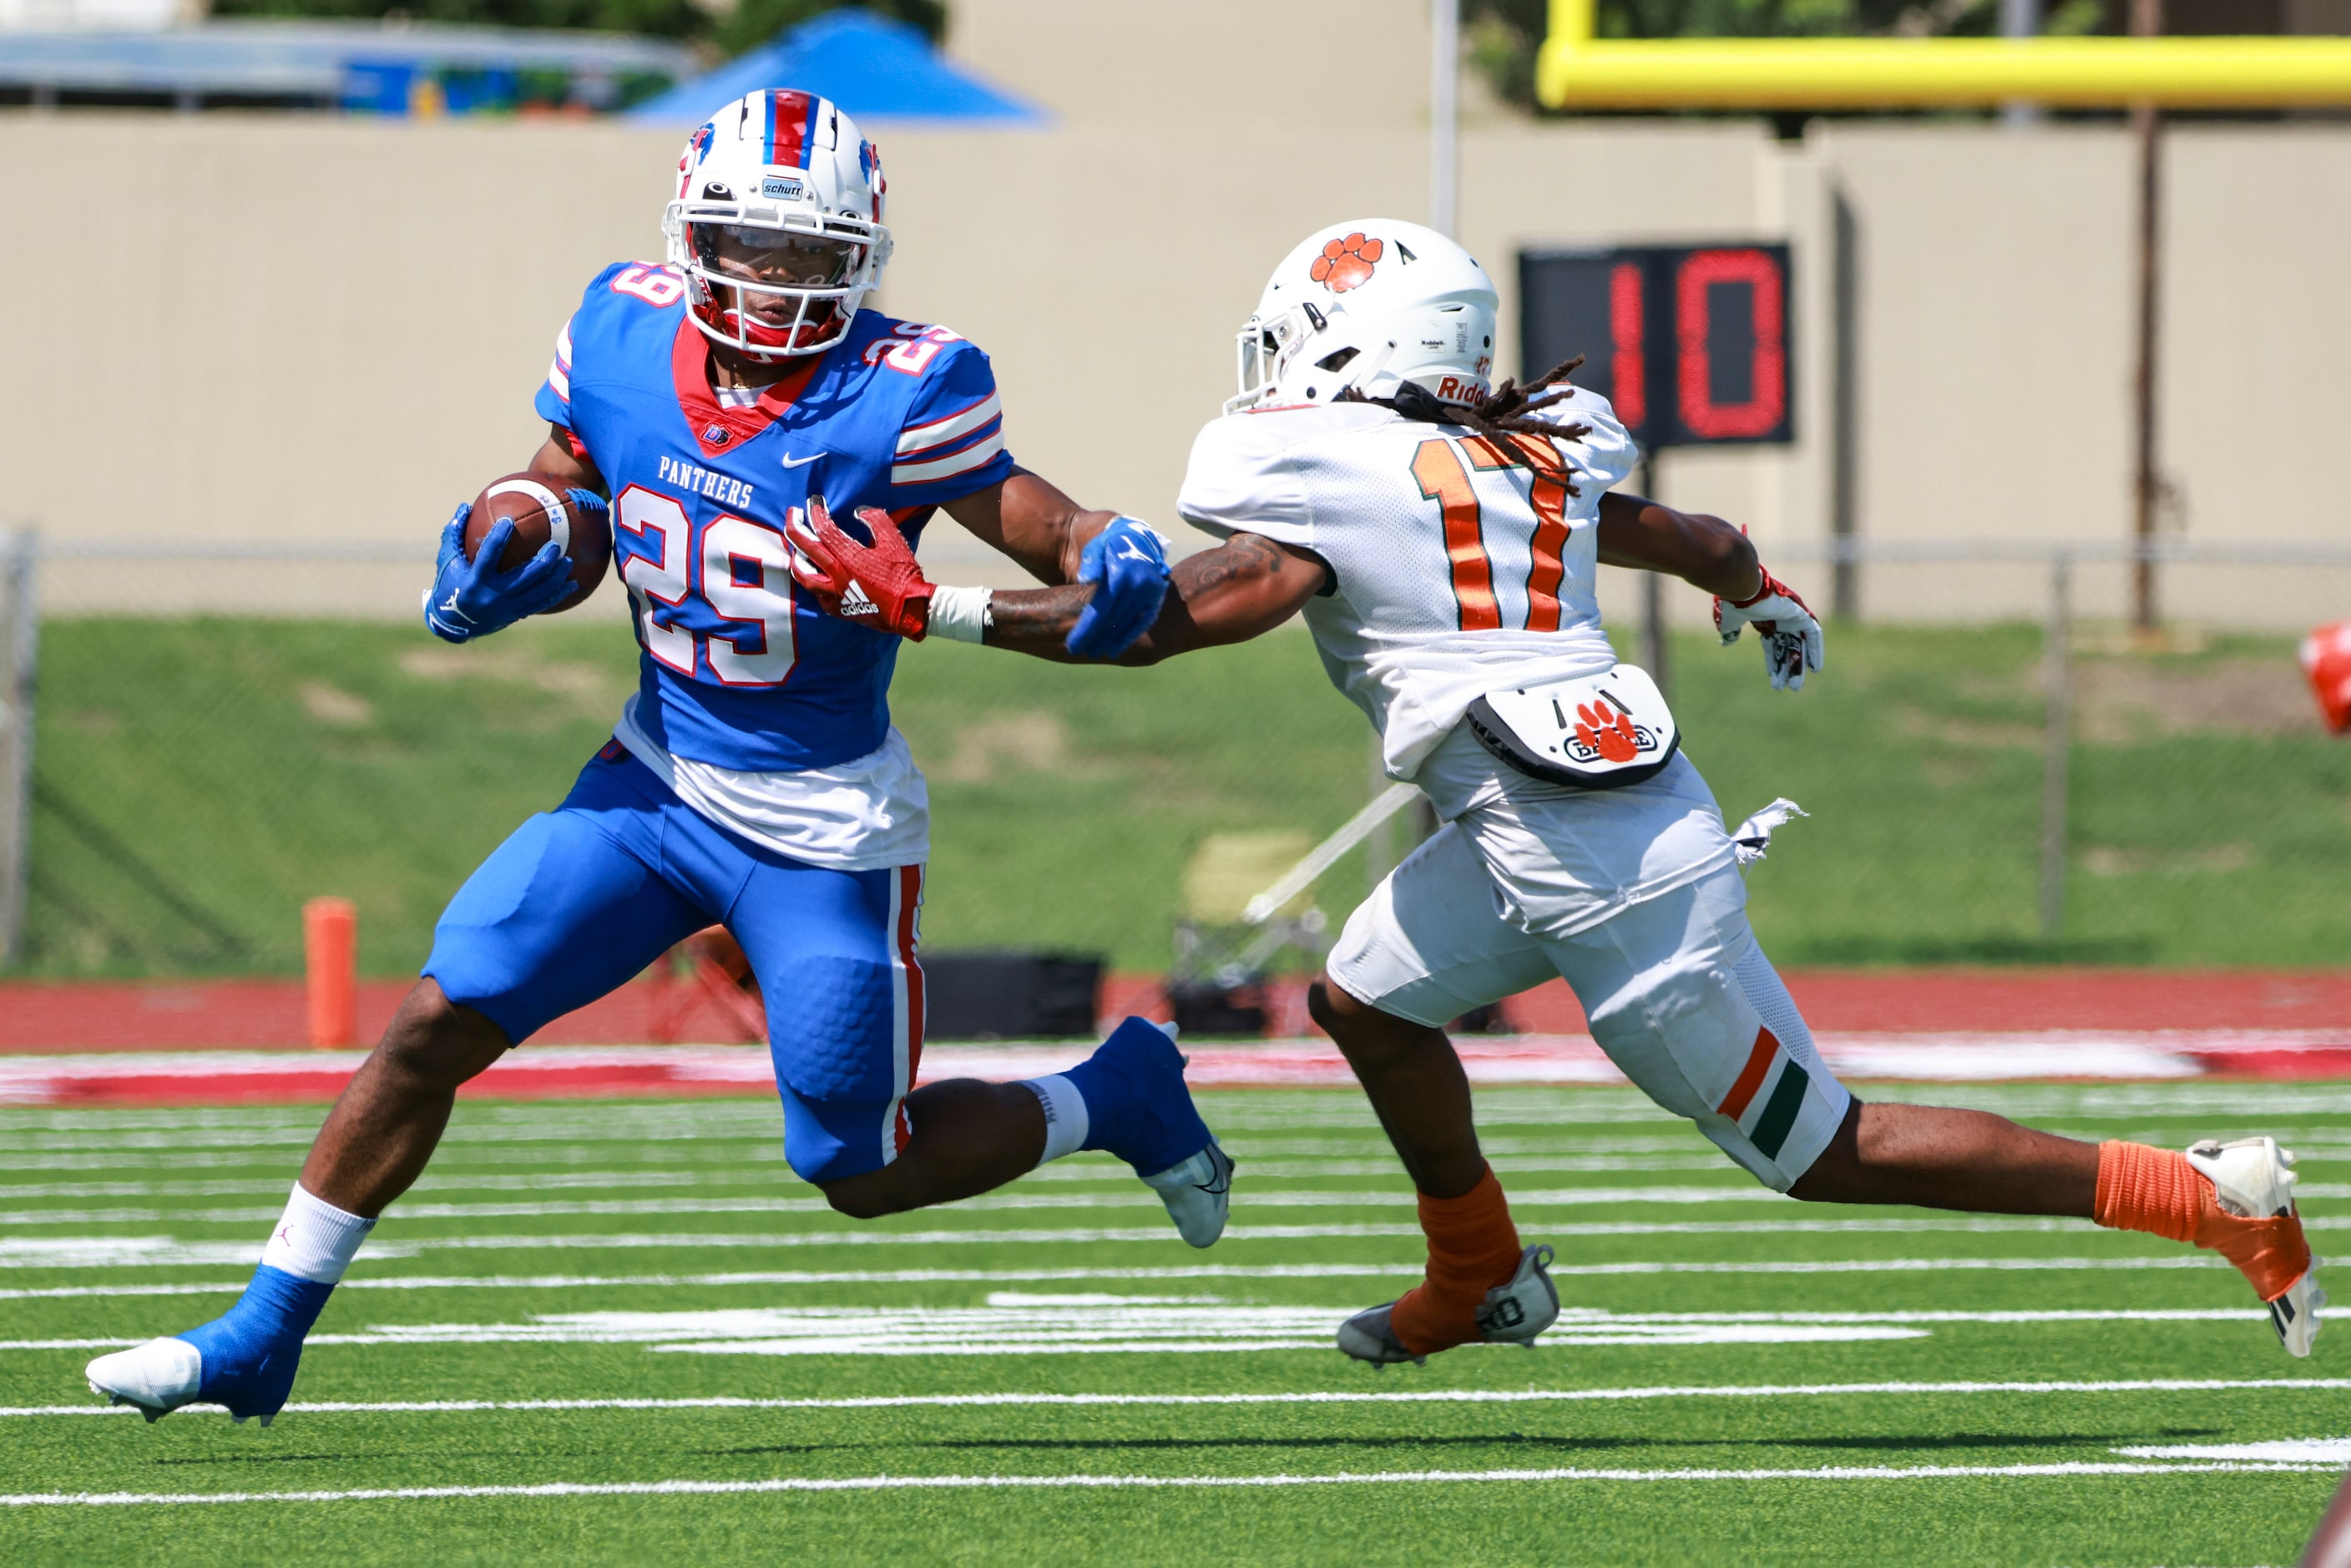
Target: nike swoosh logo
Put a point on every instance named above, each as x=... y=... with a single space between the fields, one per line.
x=792 y=462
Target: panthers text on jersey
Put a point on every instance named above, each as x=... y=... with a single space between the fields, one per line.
x=736 y=671
x=1461 y=570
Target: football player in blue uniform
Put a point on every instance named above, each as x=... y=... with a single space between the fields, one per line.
x=753 y=778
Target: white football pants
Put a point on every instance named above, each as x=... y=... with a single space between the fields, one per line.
x=1675 y=987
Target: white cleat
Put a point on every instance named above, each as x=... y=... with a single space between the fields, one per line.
x=2294 y=1315
x=158 y=1378
x=1198 y=1193
x=2252 y=1179
x=1513 y=1312
x=1523 y=1305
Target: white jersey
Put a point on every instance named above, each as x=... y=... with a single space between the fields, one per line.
x=1461 y=570
x=868 y=813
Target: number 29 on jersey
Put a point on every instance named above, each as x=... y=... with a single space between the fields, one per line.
x=740 y=570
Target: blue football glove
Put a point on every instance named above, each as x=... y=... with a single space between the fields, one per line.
x=1127 y=564
x=474 y=599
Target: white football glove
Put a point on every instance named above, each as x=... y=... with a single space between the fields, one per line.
x=1791 y=631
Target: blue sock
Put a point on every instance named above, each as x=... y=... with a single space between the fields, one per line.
x=251 y=1350
x=1136 y=1104
x=1111 y=1103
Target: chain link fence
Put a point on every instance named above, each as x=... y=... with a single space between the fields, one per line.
x=1998 y=766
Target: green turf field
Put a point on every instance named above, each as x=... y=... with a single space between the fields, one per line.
x=639 y=1296
x=198 y=779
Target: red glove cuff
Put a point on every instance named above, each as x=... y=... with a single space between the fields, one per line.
x=915 y=621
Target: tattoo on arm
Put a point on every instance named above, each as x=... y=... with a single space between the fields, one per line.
x=1244 y=556
x=1035 y=620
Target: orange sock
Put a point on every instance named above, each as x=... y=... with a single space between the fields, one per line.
x=1472 y=1247
x=2158 y=1191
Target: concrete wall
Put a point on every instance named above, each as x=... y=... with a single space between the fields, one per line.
x=1211 y=73
x=220 y=327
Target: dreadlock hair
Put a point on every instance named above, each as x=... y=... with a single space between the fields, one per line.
x=1505 y=416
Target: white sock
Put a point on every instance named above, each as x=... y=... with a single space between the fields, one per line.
x=314 y=1239
x=1066 y=1121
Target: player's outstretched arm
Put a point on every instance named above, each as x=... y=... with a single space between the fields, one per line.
x=1247 y=585
x=1028 y=519
x=1705 y=552
x=1244 y=588
x=1708 y=553
x=1124 y=558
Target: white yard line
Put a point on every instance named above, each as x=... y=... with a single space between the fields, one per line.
x=171 y=1187
x=170 y=1182
x=1013 y=1323
x=1430 y=1396
x=1130 y=1196
x=454 y=1156
x=166 y=1252
x=985 y=1483
x=1576 y=1148
x=1196 y=1271
x=1276 y=1272
x=1900 y=1265
x=1989 y=1226
x=2332 y=1451
x=1115 y=1193
x=1255 y=1111
x=768 y=1277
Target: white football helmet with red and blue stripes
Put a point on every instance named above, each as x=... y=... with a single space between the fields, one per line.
x=776 y=223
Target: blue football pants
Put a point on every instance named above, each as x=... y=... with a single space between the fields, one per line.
x=581 y=899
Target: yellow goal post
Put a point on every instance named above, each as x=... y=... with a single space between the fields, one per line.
x=1578 y=70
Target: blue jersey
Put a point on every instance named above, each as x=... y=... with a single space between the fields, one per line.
x=738 y=669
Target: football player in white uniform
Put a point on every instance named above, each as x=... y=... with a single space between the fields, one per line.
x=1442 y=539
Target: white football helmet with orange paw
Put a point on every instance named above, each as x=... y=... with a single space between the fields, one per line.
x=1366 y=306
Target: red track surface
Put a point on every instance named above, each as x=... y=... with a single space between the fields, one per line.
x=574 y=1072
x=260 y=1015
x=80 y=1016
x=229 y=1043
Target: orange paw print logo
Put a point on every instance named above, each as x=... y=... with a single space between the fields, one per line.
x=1608 y=733
x=1347 y=262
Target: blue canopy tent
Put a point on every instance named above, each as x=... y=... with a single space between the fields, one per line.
x=874 y=68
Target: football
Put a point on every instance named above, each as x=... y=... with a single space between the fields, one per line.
x=540 y=510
